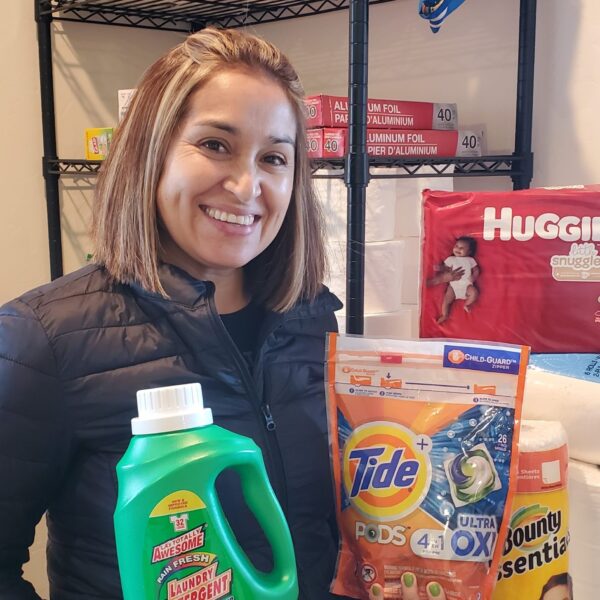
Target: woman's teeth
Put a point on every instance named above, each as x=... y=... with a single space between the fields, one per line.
x=220 y=215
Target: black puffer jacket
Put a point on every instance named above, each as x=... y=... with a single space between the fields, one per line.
x=72 y=355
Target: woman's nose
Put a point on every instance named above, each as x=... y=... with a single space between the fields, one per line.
x=243 y=182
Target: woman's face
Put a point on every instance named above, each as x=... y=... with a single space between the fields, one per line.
x=228 y=176
x=560 y=592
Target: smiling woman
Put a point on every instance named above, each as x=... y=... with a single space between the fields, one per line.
x=227 y=180
x=253 y=145
x=209 y=260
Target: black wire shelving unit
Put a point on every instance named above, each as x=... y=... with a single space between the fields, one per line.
x=192 y=15
x=186 y=15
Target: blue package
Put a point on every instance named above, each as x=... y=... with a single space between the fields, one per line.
x=437 y=11
x=579 y=366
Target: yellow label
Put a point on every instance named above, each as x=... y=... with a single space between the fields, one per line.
x=535 y=552
x=97 y=142
x=177 y=502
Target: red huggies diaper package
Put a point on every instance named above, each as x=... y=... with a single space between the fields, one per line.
x=517 y=267
x=423 y=438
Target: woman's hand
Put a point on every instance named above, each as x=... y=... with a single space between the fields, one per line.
x=453 y=275
x=446 y=276
x=410 y=589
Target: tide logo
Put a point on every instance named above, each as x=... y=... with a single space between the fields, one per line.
x=456 y=356
x=386 y=470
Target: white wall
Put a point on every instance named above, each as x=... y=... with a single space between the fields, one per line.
x=471 y=61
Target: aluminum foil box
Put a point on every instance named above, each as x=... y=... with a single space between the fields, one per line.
x=332 y=111
x=393 y=143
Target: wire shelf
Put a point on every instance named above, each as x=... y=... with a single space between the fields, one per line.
x=186 y=15
x=72 y=166
x=484 y=166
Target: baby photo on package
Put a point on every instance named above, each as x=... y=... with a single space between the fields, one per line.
x=513 y=267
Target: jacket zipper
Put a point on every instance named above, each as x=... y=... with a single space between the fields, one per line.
x=263 y=410
x=271 y=426
x=269 y=421
x=274 y=452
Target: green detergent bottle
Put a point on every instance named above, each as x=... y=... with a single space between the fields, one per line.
x=173 y=540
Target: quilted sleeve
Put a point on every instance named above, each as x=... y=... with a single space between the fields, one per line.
x=33 y=440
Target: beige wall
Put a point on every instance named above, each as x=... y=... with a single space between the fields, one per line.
x=23 y=243
x=472 y=61
x=91 y=62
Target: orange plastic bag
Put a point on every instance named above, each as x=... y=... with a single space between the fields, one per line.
x=423 y=438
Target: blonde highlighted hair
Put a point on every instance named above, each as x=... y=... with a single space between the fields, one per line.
x=125 y=227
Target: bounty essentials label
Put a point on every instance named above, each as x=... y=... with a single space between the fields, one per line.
x=181 y=564
x=422 y=456
x=538 y=258
x=535 y=556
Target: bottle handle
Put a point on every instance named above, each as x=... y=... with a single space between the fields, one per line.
x=281 y=582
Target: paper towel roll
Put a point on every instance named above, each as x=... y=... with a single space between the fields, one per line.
x=393 y=205
x=536 y=549
x=380 y=207
x=540 y=435
x=409 y=200
x=573 y=401
x=401 y=324
x=383 y=274
x=584 y=550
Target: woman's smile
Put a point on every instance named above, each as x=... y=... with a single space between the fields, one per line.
x=228 y=217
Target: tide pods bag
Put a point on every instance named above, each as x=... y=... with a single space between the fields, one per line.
x=423 y=439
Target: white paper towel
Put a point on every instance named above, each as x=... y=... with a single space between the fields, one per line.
x=393 y=205
x=572 y=401
x=409 y=200
x=380 y=207
x=383 y=274
x=539 y=436
x=584 y=549
x=401 y=324
x=410 y=273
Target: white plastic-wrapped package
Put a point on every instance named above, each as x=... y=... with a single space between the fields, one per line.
x=566 y=388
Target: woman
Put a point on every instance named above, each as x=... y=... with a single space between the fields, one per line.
x=208 y=267
x=558 y=587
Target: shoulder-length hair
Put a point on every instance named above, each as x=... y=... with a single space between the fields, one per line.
x=125 y=228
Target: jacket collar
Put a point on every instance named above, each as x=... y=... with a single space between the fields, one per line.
x=183 y=289
x=180 y=286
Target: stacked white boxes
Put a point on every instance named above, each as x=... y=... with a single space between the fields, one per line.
x=392 y=252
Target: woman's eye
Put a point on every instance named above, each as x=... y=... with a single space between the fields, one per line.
x=214 y=145
x=276 y=160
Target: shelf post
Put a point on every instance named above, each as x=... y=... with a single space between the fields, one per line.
x=524 y=118
x=44 y=36
x=357 y=165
